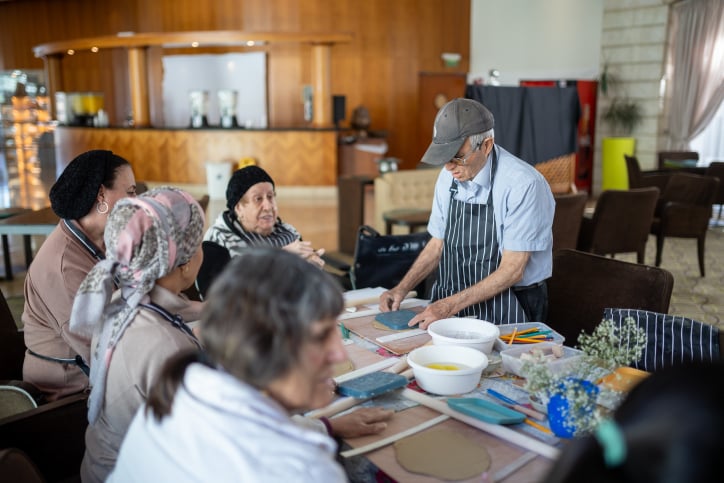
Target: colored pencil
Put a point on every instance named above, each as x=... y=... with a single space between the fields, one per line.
x=537 y=426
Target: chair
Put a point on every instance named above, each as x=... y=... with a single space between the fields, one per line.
x=620 y=223
x=567 y=219
x=584 y=284
x=404 y=189
x=560 y=173
x=674 y=159
x=671 y=339
x=17 y=467
x=684 y=211
x=12 y=344
x=642 y=179
x=216 y=258
x=716 y=169
x=14 y=400
x=52 y=435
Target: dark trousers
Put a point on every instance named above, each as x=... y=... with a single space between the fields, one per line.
x=534 y=300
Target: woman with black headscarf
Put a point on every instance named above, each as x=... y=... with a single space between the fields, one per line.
x=82 y=197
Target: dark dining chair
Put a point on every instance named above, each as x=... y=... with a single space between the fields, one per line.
x=675 y=159
x=584 y=284
x=621 y=222
x=684 y=210
x=12 y=344
x=716 y=170
x=642 y=179
x=52 y=435
x=567 y=219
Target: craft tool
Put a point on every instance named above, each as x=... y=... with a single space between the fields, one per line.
x=537 y=426
x=377 y=366
x=511 y=468
x=400 y=335
x=371 y=385
x=515 y=330
x=395 y=437
x=513 y=404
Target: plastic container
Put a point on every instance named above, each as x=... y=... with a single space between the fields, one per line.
x=443 y=381
x=513 y=364
x=501 y=345
x=475 y=333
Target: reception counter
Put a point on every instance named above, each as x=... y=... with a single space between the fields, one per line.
x=293 y=157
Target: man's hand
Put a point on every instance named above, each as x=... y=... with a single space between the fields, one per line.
x=435 y=311
x=362 y=422
x=391 y=299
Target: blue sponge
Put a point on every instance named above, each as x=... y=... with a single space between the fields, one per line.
x=396 y=320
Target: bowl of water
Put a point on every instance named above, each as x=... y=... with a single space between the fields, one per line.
x=475 y=333
x=447 y=369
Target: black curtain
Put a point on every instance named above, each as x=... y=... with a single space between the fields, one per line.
x=534 y=123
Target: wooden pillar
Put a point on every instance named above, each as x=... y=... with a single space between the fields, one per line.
x=322 y=85
x=54 y=80
x=138 y=86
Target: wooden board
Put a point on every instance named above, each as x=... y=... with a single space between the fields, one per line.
x=362 y=326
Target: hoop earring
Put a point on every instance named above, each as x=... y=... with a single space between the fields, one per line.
x=103 y=210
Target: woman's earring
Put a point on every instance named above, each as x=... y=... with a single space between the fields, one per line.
x=102 y=207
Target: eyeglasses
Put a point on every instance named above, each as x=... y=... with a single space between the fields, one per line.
x=463 y=160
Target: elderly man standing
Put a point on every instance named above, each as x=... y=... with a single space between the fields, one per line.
x=490 y=225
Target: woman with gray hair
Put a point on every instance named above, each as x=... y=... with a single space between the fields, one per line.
x=271 y=341
x=153 y=252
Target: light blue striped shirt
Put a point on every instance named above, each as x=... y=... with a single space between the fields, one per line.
x=523 y=205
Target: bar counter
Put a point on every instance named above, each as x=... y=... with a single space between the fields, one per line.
x=292 y=157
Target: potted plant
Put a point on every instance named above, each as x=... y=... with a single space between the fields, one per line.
x=622 y=115
x=572 y=394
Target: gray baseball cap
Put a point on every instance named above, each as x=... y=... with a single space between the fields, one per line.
x=455 y=122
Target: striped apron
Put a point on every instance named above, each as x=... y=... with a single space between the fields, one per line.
x=470 y=253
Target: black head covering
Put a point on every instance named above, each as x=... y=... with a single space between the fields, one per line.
x=73 y=194
x=240 y=182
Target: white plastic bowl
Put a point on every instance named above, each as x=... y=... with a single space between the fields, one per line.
x=475 y=333
x=447 y=382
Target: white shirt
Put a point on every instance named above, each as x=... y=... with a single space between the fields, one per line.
x=221 y=429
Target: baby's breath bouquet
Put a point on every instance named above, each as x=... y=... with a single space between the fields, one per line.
x=603 y=351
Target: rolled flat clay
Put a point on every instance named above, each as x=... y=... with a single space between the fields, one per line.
x=443 y=454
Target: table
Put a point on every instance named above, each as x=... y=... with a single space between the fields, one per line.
x=502 y=452
x=35 y=222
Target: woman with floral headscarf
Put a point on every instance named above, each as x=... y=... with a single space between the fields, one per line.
x=153 y=252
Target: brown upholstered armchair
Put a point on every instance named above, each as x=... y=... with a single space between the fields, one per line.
x=567 y=219
x=584 y=284
x=620 y=223
x=642 y=179
x=684 y=211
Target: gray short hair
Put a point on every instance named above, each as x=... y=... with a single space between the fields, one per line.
x=476 y=140
x=260 y=310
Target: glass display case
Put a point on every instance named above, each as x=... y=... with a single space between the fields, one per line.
x=27 y=157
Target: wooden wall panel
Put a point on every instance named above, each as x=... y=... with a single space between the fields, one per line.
x=292 y=158
x=393 y=41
